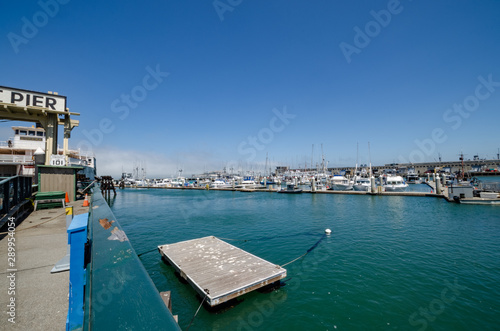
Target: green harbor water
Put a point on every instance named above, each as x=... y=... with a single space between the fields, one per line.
x=405 y=263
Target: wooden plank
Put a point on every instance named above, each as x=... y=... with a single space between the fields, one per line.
x=167 y=299
x=224 y=270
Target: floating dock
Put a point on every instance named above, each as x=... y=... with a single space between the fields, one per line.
x=219 y=271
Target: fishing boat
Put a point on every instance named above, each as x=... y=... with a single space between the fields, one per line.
x=469 y=195
x=290 y=188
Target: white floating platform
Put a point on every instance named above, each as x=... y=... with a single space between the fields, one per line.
x=224 y=270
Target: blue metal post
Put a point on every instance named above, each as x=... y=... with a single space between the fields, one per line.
x=77 y=237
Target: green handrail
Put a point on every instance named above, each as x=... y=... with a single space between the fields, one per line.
x=119 y=292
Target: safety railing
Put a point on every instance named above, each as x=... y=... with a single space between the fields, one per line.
x=14 y=190
x=12 y=158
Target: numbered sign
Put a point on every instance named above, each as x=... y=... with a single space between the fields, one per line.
x=58 y=160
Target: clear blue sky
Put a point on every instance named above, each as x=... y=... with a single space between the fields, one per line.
x=229 y=67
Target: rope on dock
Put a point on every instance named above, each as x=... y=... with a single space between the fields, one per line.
x=307 y=252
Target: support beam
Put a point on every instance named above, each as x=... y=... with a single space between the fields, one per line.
x=68 y=127
x=51 y=137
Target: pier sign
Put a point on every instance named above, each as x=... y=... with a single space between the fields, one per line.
x=24 y=98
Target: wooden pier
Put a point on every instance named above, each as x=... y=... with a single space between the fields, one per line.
x=219 y=271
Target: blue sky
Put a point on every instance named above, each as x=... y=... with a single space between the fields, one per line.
x=225 y=83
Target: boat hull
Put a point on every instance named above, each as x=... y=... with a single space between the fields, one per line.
x=290 y=192
x=479 y=201
x=395 y=188
x=364 y=188
x=341 y=187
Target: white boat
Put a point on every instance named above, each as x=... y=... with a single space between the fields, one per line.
x=478 y=201
x=484 y=198
x=319 y=187
x=219 y=183
x=290 y=188
x=394 y=184
x=165 y=182
x=140 y=183
x=412 y=177
x=341 y=183
x=249 y=184
x=361 y=184
x=178 y=182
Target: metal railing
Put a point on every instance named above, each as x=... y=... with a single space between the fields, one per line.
x=12 y=158
x=489 y=186
x=14 y=190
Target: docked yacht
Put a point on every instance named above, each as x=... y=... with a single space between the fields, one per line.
x=361 y=184
x=219 y=183
x=394 y=184
x=341 y=183
x=249 y=183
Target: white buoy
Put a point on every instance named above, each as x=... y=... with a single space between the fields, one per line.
x=328 y=231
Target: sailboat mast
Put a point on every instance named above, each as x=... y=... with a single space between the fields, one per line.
x=265 y=169
x=312 y=154
x=322 y=160
x=370 y=157
x=357 y=158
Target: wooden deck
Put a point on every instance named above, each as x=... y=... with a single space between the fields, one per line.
x=219 y=271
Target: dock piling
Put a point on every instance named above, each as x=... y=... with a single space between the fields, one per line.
x=373 y=186
x=438 y=184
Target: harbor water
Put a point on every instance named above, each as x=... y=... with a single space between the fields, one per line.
x=391 y=262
